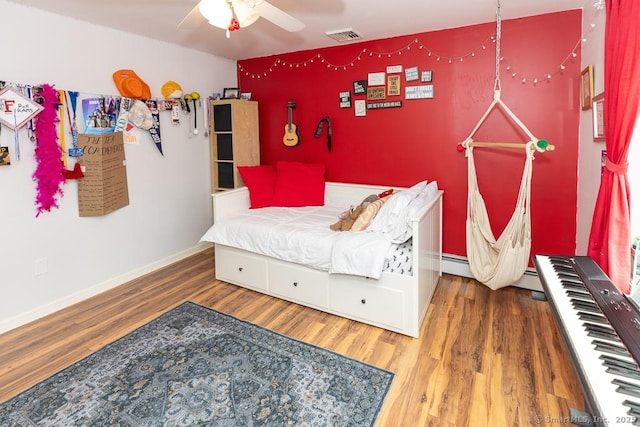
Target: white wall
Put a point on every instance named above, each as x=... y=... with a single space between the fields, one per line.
x=169 y=196
x=593 y=22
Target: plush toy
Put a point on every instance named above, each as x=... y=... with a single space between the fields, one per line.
x=344 y=224
x=348 y=217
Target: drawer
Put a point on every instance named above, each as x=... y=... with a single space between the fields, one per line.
x=299 y=284
x=364 y=299
x=241 y=268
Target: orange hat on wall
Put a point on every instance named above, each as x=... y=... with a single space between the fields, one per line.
x=130 y=85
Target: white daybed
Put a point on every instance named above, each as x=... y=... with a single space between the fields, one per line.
x=397 y=302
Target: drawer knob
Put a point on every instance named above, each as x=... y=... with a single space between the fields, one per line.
x=363 y=301
x=239 y=268
x=295 y=283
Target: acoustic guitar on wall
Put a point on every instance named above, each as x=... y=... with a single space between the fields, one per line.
x=291 y=136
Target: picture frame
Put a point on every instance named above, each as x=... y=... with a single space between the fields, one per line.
x=231 y=93
x=246 y=96
x=598 y=117
x=586 y=87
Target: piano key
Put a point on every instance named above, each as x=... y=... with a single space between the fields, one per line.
x=602 y=335
x=634 y=410
x=588 y=305
x=627 y=387
x=632 y=404
x=571 y=285
x=579 y=294
x=585 y=306
x=567 y=276
x=565 y=271
x=616 y=361
x=608 y=347
x=572 y=314
x=592 y=317
x=605 y=329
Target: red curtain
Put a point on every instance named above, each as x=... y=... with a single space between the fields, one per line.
x=610 y=242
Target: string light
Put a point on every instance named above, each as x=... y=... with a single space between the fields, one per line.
x=430 y=53
x=599 y=5
x=364 y=52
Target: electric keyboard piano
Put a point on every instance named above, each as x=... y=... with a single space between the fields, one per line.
x=601 y=329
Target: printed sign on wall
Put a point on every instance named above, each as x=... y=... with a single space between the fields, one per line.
x=374 y=93
x=15 y=109
x=418 y=92
x=360 y=87
x=393 y=85
x=376 y=79
x=345 y=99
x=411 y=74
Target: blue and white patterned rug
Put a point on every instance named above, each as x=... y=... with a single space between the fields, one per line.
x=196 y=366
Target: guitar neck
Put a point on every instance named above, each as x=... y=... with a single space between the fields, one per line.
x=290 y=113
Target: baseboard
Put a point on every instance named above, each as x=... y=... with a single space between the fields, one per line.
x=459 y=265
x=53 y=306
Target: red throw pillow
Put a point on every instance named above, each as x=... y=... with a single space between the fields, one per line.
x=299 y=184
x=261 y=181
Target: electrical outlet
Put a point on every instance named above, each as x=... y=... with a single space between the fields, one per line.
x=40 y=266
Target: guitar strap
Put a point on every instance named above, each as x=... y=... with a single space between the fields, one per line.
x=319 y=130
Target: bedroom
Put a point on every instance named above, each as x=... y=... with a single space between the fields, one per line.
x=82 y=258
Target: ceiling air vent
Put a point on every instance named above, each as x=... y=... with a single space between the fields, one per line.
x=346 y=35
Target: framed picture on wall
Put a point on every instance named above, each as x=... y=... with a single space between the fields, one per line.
x=231 y=93
x=586 y=87
x=598 y=118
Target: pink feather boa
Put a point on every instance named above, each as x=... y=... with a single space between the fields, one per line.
x=48 y=175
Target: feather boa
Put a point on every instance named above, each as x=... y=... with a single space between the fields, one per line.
x=49 y=170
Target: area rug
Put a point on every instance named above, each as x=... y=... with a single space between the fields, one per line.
x=197 y=366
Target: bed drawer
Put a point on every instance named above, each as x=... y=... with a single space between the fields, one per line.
x=241 y=268
x=299 y=284
x=367 y=301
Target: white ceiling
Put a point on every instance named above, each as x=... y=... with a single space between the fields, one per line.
x=373 y=19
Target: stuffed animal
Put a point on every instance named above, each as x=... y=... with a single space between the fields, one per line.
x=349 y=217
x=344 y=224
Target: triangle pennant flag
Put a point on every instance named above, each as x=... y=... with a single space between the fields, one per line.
x=155 y=128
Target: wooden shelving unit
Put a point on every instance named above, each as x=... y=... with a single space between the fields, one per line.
x=234 y=141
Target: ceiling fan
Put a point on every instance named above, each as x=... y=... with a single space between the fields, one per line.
x=231 y=15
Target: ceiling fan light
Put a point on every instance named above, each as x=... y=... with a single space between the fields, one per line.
x=245 y=13
x=217 y=12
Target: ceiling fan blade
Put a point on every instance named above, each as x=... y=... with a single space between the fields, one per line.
x=193 y=19
x=278 y=17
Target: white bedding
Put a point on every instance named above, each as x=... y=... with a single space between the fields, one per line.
x=302 y=235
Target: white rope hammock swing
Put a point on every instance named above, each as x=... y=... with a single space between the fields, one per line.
x=502 y=262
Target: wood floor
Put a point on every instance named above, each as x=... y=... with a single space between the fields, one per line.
x=484 y=358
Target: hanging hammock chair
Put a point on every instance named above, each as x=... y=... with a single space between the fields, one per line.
x=499 y=262
x=502 y=262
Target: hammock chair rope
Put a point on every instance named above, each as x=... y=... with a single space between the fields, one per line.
x=499 y=262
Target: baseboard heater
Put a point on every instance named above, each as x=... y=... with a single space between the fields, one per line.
x=459 y=265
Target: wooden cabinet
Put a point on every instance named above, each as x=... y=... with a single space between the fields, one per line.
x=234 y=141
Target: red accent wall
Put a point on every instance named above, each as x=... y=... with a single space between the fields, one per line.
x=401 y=146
